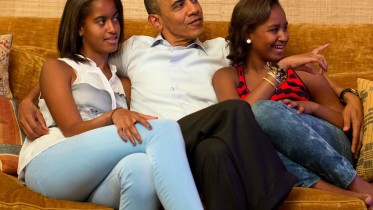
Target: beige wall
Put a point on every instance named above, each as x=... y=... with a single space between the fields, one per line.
x=298 y=11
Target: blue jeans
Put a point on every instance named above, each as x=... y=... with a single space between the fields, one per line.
x=311 y=148
x=129 y=185
x=90 y=166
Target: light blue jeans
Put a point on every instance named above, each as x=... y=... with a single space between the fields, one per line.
x=311 y=148
x=129 y=185
x=92 y=166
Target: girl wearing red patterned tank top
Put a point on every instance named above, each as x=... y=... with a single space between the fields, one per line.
x=298 y=109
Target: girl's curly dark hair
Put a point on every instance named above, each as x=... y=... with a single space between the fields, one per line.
x=246 y=16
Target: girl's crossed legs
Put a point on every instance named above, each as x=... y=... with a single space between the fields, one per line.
x=74 y=168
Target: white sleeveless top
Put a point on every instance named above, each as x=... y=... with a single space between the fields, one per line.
x=93 y=95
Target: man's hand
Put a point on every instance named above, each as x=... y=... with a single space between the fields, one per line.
x=31 y=120
x=353 y=115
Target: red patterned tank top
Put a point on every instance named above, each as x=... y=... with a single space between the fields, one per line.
x=293 y=88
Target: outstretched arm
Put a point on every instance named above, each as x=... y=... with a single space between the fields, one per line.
x=352 y=113
x=225 y=79
x=30 y=118
x=352 y=117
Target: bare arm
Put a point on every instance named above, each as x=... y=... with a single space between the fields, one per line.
x=352 y=116
x=327 y=105
x=225 y=81
x=59 y=99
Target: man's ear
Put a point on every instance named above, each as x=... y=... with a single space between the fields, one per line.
x=155 y=21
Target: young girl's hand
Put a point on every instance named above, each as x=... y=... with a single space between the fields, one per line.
x=311 y=62
x=307 y=107
x=125 y=121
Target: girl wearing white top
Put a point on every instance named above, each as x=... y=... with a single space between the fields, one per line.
x=82 y=156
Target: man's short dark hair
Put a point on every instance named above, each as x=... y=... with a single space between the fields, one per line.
x=152 y=6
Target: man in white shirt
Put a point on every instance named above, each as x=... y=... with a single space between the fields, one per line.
x=233 y=162
x=170 y=81
x=171 y=78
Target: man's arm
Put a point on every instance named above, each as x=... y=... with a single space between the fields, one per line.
x=352 y=115
x=30 y=118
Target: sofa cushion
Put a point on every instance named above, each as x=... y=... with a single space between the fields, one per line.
x=26 y=63
x=365 y=162
x=11 y=137
x=5 y=45
x=14 y=195
x=314 y=199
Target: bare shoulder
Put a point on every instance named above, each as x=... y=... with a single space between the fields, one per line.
x=228 y=71
x=53 y=63
x=225 y=75
x=55 y=66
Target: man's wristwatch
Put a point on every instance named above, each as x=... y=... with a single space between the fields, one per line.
x=347 y=90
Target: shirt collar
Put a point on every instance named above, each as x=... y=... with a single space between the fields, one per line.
x=160 y=40
x=93 y=64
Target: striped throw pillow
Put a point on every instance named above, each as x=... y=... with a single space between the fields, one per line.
x=365 y=162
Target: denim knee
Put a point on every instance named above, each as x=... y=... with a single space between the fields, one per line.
x=164 y=125
x=306 y=178
x=128 y=186
x=263 y=110
x=295 y=135
x=135 y=175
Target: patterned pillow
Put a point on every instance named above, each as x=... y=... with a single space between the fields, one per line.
x=11 y=137
x=365 y=162
x=5 y=45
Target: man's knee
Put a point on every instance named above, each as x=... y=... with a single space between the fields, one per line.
x=211 y=153
x=211 y=156
x=235 y=104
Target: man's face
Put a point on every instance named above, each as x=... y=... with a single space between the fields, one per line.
x=181 y=21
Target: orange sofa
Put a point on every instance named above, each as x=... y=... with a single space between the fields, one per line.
x=34 y=40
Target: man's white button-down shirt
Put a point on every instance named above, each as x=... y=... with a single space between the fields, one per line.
x=170 y=82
